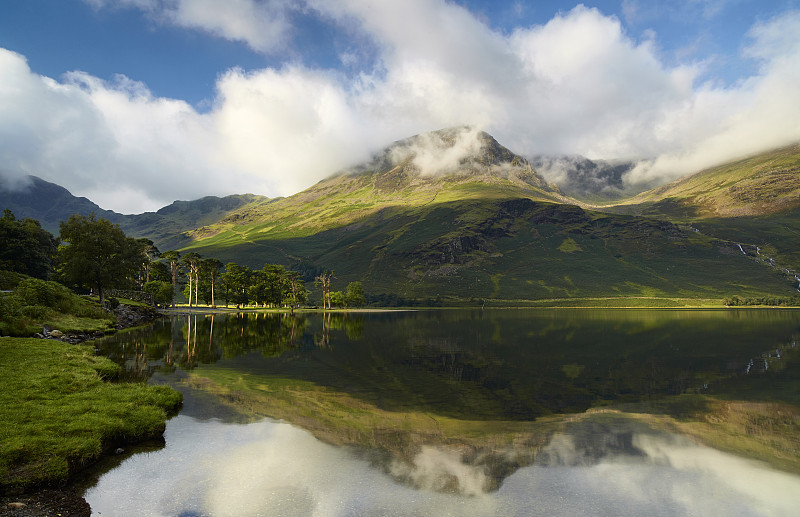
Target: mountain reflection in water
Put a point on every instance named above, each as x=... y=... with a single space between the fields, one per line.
x=464 y=412
x=273 y=468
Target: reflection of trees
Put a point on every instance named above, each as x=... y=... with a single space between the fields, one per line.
x=239 y=334
x=481 y=366
x=352 y=324
x=188 y=341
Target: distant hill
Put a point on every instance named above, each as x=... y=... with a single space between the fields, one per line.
x=753 y=200
x=50 y=204
x=594 y=181
x=169 y=226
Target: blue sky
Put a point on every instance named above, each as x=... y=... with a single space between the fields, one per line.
x=176 y=99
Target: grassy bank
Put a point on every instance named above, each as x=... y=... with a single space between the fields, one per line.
x=35 y=304
x=59 y=413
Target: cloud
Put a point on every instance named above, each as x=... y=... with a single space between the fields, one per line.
x=439 y=152
x=576 y=85
x=272 y=468
x=290 y=127
x=723 y=124
x=262 y=24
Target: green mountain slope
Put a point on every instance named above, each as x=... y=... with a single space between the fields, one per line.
x=764 y=184
x=168 y=226
x=489 y=227
x=754 y=201
x=454 y=214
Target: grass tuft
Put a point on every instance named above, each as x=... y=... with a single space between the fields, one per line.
x=58 y=415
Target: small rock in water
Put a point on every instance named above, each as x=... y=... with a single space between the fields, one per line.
x=56 y=334
x=119 y=451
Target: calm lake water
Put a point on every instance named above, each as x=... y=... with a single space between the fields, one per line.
x=453 y=412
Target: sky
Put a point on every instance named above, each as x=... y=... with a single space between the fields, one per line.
x=137 y=103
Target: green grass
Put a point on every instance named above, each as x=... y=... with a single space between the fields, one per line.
x=59 y=413
x=754 y=186
x=36 y=303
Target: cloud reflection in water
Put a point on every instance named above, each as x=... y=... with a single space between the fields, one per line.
x=272 y=468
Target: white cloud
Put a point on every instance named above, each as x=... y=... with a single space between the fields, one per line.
x=290 y=127
x=575 y=85
x=102 y=139
x=270 y=468
x=755 y=115
x=261 y=24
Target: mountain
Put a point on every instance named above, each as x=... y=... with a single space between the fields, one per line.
x=595 y=181
x=168 y=226
x=455 y=214
x=754 y=200
x=763 y=184
x=50 y=204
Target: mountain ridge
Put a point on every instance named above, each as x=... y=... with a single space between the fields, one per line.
x=455 y=214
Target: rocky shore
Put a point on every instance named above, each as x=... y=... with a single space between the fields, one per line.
x=127 y=316
x=64 y=502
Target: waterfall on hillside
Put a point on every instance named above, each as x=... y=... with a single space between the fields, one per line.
x=740 y=249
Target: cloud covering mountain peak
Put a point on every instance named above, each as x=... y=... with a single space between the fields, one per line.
x=578 y=84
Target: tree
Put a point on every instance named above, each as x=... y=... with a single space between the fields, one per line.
x=98 y=254
x=162 y=291
x=324 y=281
x=297 y=293
x=150 y=254
x=236 y=280
x=192 y=261
x=26 y=247
x=209 y=271
x=354 y=295
x=275 y=284
x=258 y=287
x=336 y=298
x=160 y=271
x=172 y=256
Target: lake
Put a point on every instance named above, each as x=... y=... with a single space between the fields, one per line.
x=467 y=412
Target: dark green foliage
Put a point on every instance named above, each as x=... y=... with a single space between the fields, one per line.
x=35 y=303
x=770 y=301
x=33 y=291
x=9 y=280
x=161 y=291
x=160 y=271
x=98 y=254
x=354 y=295
x=236 y=281
x=26 y=247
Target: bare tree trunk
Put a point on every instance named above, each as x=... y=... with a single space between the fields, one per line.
x=213 y=303
x=190 y=289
